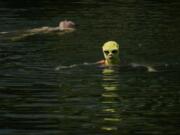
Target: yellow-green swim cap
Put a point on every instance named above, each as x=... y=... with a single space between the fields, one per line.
x=110 y=45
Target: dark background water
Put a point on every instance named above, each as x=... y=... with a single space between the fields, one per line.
x=35 y=99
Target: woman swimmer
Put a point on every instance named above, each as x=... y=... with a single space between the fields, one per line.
x=111 y=54
x=64 y=27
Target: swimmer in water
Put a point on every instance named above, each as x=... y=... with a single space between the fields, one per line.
x=64 y=27
x=111 y=54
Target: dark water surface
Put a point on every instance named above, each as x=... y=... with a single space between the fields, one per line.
x=84 y=99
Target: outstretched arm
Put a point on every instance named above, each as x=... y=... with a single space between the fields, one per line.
x=148 y=67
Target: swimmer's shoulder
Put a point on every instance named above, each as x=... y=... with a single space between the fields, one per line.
x=101 y=62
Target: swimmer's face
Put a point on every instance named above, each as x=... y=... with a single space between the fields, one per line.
x=111 y=52
x=64 y=25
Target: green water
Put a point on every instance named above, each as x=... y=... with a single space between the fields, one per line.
x=85 y=99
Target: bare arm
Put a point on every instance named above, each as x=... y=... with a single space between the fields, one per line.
x=148 y=67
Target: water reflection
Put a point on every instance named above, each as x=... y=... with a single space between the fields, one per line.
x=110 y=100
x=85 y=104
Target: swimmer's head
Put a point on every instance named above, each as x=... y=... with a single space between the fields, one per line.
x=66 y=25
x=111 y=52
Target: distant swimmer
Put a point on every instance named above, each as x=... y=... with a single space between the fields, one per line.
x=111 y=57
x=65 y=26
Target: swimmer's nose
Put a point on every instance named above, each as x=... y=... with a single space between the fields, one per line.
x=110 y=55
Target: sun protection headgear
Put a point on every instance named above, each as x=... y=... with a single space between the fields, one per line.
x=111 y=52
